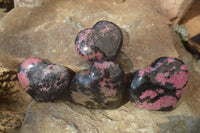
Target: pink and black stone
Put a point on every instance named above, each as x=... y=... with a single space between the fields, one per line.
x=101 y=42
x=100 y=87
x=160 y=86
x=44 y=81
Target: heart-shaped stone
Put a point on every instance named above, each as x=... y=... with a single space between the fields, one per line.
x=100 y=43
x=160 y=86
x=44 y=81
x=102 y=86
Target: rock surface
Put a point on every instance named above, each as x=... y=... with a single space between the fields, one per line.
x=49 y=32
x=29 y=3
x=174 y=10
x=191 y=21
x=63 y=117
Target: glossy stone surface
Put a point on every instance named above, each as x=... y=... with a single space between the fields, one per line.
x=42 y=80
x=101 y=42
x=160 y=86
x=102 y=86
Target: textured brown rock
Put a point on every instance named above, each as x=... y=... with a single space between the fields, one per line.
x=64 y=117
x=49 y=32
x=174 y=10
x=191 y=21
x=29 y=3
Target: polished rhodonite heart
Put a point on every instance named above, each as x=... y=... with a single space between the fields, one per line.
x=102 y=86
x=160 y=86
x=44 y=81
x=100 y=43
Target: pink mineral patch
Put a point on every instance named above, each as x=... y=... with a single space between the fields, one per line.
x=45 y=89
x=76 y=48
x=170 y=60
x=148 y=93
x=99 y=55
x=88 y=31
x=47 y=72
x=183 y=67
x=178 y=79
x=173 y=68
x=80 y=38
x=104 y=65
x=29 y=61
x=104 y=30
x=160 y=91
x=84 y=34
x=147 y=70
x=160 y=77
x=23 y=79
x=165 y=101
x=61 y=77
x=107 y=91
x=179 y=92
x=115 y=35
x=159 y=64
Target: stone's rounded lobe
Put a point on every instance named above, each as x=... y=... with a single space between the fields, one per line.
x=102 y=86
x=160 y=86
x=43 y=81
x=101 y=42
